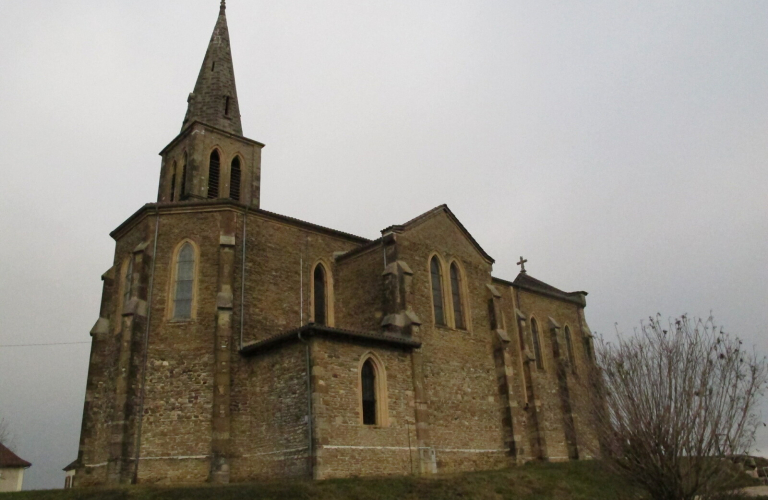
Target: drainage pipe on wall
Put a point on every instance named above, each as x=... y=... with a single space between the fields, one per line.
x=140 y=416
x=309 y=408
x=242 y=278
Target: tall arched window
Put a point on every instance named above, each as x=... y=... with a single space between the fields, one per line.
x=458 y=313
x=320 y=303
x=437 y=291
x=234 y=179
x=368 y=385
x=569 y=348
x=173 y=182
x=127 y=282
x=536 y=343
x=185 y=282
x=183 y=189
x=214 y=167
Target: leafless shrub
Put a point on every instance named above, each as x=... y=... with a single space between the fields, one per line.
x=5 y=433
x=672 y=403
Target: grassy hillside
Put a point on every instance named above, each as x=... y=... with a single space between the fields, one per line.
x=540 y=481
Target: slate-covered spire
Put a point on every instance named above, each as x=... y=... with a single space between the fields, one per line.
x=214 y=101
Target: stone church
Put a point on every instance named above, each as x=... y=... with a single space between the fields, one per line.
x=234 y=343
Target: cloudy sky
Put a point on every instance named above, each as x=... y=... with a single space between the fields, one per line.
x=620 y=146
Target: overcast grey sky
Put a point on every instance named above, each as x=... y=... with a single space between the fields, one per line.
x=620 y=146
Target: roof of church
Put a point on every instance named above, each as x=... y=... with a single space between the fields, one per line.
x=314 y=329
x=528 y=282
x=149 y=208
x=9 y=460
x=71 y=466
x=431 y=213
x=214 y=100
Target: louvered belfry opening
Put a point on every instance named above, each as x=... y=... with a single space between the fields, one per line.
x=173 y=183
x=368 y=380
x=213 y=175
x=234 y=181
x=184 y=178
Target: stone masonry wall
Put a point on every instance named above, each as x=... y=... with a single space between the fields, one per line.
x=269 y=415
x=459 y=371
x=345 y=446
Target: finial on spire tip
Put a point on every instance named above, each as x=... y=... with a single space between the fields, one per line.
x=223 y=6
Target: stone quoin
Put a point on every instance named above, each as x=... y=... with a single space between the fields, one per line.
x=235 y=344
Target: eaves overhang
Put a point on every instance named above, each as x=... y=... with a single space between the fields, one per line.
x=312 y=329
x=189 y=129
x=226 y=204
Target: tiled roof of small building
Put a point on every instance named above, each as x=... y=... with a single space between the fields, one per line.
x=528 y=282
x=313 y=329
x=9 y=460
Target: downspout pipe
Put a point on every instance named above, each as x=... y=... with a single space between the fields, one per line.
x=242 y=277
x=140 y=416
x=309 y=407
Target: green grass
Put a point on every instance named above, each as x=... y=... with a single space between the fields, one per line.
x=540 y=481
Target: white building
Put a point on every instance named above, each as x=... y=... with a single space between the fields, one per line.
x=11 y=470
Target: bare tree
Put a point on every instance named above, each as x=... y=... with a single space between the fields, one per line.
x=674 y=404
x=5 y=433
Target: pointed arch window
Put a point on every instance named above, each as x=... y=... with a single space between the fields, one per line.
x=458 y=309
x=184 y=283
x=320 y=305
x=234 y=181
x=437 y=291
x=214 y=169
x=183 y=189
x=173 y=183
x=536 y=343
x=368 y=384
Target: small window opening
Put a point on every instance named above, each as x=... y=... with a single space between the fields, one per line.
x=437 y=291
x=213 y=66
x=226 y=106
x=368 y=379
x=320 y=302
x=213 y=175
x=234 y=181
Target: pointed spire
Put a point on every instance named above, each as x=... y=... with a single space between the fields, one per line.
x=214 y=101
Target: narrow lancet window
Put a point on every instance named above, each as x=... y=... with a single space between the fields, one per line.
x=437 y=291
x=320 y=307
x=458 y=313
x=536 y=343
x=173 y=183
x=185 y=281
x=368 y=383
x=213 y=175
x=183 y=190
x=234 y=181
x=226 y=106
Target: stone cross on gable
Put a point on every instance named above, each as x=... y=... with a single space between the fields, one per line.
x=522 y=264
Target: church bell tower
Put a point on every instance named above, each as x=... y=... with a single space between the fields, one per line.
x=210 y=158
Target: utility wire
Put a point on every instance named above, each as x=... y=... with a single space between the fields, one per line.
x=41 y=345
